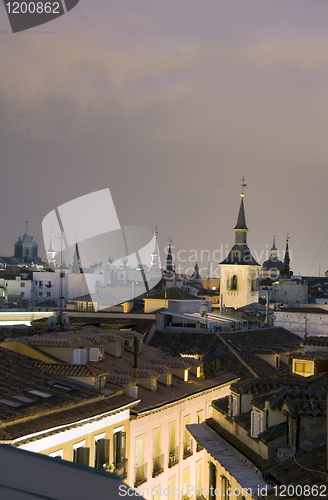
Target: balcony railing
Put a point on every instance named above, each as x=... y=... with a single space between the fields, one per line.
x=174 y=457
x=158 y=465
x=140 y=474
x=121 y=468
x=199 y=447
x=187 y=448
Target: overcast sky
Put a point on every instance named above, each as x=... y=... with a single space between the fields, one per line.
x=169 y=103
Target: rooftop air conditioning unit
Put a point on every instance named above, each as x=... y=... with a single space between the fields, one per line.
x=94 y=354
x=133 y=391
x=79 y=356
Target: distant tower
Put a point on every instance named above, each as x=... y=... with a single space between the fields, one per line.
x=51 y=253
x=286 y=273
x=154 y=266
x=271 y=268
x=239 y=272
x=26 y=248
x=169 y=260
x=77 y=268
x=195 y=275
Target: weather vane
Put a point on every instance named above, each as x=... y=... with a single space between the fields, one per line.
x=242 y=186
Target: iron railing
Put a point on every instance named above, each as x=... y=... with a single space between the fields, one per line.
x=187 y=448
x=174 y=456
x=158 y=465
x=140 y=474
x=121 y=468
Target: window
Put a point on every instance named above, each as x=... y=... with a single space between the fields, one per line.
x=233 y=405
x=200 y=417
x=155 y=492
x=234 y=283
x=186 y=481
x=141 y=469
x=304 y=368
x=119 y=450
x=48 y=294
x=225 y=485
x=40 y=284
x=258 y=422
x=81 y=453
x=22 y=285
x=101 y=451
x=158 y=457
x=187 y=441
x=40 y=294
x=171 y=484
x=199 y=479
x=173 y=448
x=22 y=294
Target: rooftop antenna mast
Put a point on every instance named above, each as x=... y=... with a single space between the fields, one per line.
x=242 y=186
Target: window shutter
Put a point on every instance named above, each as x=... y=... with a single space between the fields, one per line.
x=255 y=423
x=115 y=448
x=102 y=452
x=86 y=455
x=123 y=445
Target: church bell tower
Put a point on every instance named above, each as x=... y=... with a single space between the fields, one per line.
x=239 y=272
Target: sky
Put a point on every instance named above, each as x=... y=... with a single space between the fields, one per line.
x=169 y=104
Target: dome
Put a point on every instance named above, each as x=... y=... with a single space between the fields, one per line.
x=273 y=264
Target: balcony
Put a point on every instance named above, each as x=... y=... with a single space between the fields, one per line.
x=174 y=457
x=121 y=468
x=187 y=448
x=158 y=465
x=140 y=474
x=199 y=447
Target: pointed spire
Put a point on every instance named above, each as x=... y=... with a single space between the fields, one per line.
x=286 y=272
x=169 y=259
x=51 y=243
x=274 y=243
x=77 y=268
x=241 y=221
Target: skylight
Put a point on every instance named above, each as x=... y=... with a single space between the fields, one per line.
x=24 y=399
x=8 y=402
x=41 y=394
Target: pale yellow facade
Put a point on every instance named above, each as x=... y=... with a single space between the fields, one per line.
x=239 y=284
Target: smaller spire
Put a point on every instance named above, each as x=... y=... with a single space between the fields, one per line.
x=286 y=272
x=169 y=258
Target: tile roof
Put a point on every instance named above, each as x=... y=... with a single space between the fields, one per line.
x=239 y=357
x=153 y=357
x=173 y=293
x=67 y=416
x=71 y=370
x=262 y=386
x=307 y=469
x=316 y=341
x=18 y=376
x=305 y=403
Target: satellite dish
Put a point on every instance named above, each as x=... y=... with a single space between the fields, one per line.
x=65 y=320
x=52 y=321
x=203 y=310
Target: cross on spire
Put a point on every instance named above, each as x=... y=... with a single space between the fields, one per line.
x=287 y=236
x=26 y=223
x=242 y=186
x=156 y=231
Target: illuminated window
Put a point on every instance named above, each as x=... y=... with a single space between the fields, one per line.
x=304 y=368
